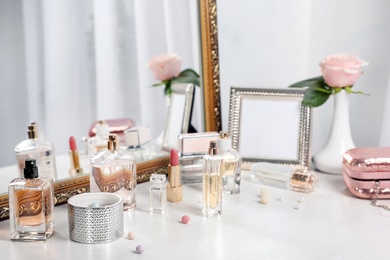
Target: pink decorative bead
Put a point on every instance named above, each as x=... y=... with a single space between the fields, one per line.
x=185 y=219
x=131 y=235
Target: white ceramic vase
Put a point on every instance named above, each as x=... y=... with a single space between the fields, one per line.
x=330 y=158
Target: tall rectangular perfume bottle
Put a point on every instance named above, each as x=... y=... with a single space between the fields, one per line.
x=31 y=204
x=38 y=148
x=157 y=193
x=231 y=165
x=114 y=170
x=212 y=182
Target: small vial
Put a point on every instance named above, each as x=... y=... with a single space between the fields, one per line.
x=157 y=193
x=293 y=178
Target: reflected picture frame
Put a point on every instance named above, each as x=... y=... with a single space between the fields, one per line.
x=253 y=113
x=178 y=117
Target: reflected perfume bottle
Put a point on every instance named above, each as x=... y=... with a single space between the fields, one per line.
x=31 y=204
x=38 y=148
x=212 y=182
x=114 y=170
x=98 y=142
x=157 y=193
x=230 y=166
x=294 y=178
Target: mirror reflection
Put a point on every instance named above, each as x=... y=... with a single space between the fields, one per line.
x=66 y=64
x=272 y=44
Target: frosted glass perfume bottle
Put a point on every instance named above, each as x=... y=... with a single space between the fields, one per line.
x=293 y=178
x=157 y=193
x=114 y=170
x=212 y=182
x=230 y=166
x=39 y=149
x=31 y=204
x=98 y=142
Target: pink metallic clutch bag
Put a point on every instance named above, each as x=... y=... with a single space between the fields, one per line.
x=366 y=172
x=116 y=126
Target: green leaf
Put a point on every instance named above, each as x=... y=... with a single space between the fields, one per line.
x=158 y=84
x=315 y=98
x=187 y=76
x=307 y=82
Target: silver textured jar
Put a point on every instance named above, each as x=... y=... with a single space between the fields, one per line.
x=95 y=217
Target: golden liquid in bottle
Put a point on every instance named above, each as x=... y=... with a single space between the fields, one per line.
x=228 y=167
x=212 y=186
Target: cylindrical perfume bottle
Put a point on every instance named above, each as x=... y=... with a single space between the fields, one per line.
x=38 y=148
x=231 y=165
x=31 y=204
x=212 y=182
x=114 y=170
x=157 y=193
x=294 y=178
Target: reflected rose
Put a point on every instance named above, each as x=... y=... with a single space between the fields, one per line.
x=341 y=70
x=165 y=66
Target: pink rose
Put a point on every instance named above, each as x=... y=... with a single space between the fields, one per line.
x=165 y=66
x=341 y=70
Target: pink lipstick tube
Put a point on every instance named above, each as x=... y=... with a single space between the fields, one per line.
x=174 y=188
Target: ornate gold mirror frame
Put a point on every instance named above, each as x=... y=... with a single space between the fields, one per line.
x=211 y=104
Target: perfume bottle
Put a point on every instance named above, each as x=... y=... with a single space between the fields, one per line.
x=39 y=149
x=212 y=182
x=31 y=204
x=230 y=166
x=114 y=170
x=98 y=142
x=294 y=178
x=157 y=193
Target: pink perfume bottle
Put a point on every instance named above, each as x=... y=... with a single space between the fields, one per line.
x=31 y=204
x=38 y=148
x=114 y=170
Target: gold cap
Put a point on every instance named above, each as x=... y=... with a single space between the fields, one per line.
x=32 y=131
x=112 y=142
x=213 y=150
x=223 y=135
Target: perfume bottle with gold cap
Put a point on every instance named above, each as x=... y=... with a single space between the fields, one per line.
x=295 y=178
x=98 y=142
x=231 y=165
x=38 y=148
x=114 y=170
x=212 y=182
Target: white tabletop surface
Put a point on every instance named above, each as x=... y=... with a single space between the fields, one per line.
x=331 y=225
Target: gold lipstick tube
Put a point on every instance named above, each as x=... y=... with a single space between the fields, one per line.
x=174 y=188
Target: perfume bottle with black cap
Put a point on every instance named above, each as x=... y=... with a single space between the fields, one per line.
x=31 y=204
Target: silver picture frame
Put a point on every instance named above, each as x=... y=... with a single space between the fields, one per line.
x=178 y=117
x=255 y=116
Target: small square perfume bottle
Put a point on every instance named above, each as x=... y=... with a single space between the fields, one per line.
x=31 y=205
x=157 y=193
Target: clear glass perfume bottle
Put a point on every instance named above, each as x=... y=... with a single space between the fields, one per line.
x=39 y=149
x=98 y=142
x=294 y=178
x=212 y=182
x=31 y=204
x=231 y=165
x=114 y=170
x=157 y=193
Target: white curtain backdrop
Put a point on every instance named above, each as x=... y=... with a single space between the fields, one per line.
x=272 y=44
x=67 y=63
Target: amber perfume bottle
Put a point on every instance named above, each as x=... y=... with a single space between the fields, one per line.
x=293 y=178
x=38 y=148
x=114 y=170
x=212 y=182
x=98 y=142
x=230 y=166
x=31 y=204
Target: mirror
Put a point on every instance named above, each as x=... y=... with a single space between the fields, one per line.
x=178 y=117
x=84 y=33
x=273 y=44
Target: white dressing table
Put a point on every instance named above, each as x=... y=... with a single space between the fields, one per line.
x=331 y=225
